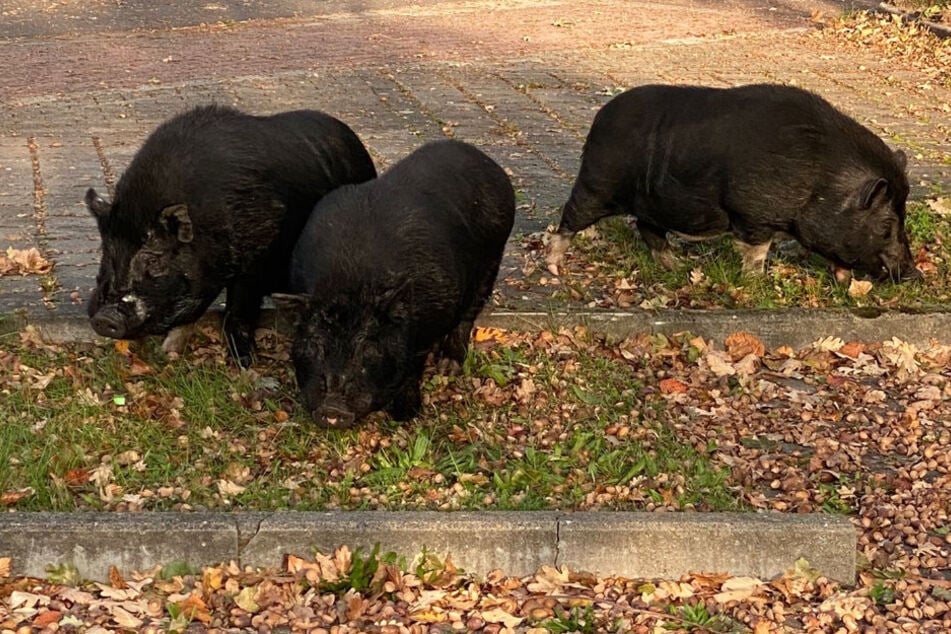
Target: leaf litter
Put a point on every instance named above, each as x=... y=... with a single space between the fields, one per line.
x=856 y=428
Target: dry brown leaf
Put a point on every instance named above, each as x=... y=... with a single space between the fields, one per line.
x=195 y=608
x=9 y=498
x=498 y=615
x=23 y=262
x=672 y=386
x=859 y=288
x=213 y=578
x=740 y=344
x=245 y=600
x=4 y=567
x=115 y=578
x=46 y=618
x=737 y=589
x=719 y=363
x=229 y=488
x=125 y=619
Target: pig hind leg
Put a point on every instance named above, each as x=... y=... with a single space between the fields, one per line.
x=656 y=240
x=455 y=346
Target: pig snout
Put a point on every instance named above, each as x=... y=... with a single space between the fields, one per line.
x=335 y=415
x=901 y=268
x=109 y=322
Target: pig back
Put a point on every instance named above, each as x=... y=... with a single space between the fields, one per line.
x=437 y=222
x=249 y=182
x=696 y=159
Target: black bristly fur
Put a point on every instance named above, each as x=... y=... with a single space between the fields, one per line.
x=247 y=185
x=753 y=161
x=393 y=268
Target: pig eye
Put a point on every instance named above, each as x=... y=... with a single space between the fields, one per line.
x=153 y=265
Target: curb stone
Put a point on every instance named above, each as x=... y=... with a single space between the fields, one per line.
x=628 y=544
x=774 y=327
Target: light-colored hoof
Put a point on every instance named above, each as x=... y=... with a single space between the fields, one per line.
x=666 y=259
x=842 y=274
x=176 y=340
x=557 y=246
x=754 y=257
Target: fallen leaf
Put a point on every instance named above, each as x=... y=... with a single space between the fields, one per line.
x=498 y=615
x=719 y=363
x=9 y=498
x=672 y=386
x=115 y=578
x=740 y=344
x=245 y=600
x=46 y=618
x=737 y=589
x=227 y=487
x=859 y=288
x=125 y=618
x=23 y=262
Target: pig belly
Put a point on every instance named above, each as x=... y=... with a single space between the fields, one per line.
x=692 y=220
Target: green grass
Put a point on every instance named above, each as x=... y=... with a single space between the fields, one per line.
x=575 y=620
x=696 y=618
x=519 y=428
x=709 y=273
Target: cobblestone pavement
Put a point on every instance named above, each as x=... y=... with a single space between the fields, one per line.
x=521 y=79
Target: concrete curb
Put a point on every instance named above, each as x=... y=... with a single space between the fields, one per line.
x=634 y=545
x=774 y=327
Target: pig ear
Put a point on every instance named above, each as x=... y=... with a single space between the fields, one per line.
x=295 y=305
x=97 y=205
x=178 y=223
x=872 y=190
x=902 y=159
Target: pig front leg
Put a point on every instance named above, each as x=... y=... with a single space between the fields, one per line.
x=242 y=309
x=583 y=209
x=454 y=348
x=408 y=401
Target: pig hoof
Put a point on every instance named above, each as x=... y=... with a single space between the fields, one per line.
x=557 y=247
x=842 y=274
x=448 y=367
x=176 y=340
x=239 y=345
x=667 y=260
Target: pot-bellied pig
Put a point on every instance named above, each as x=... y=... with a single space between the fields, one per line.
x=390 y=270
x=755 y=161
x=214 y=199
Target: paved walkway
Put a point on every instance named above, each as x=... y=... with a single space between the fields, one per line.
x=85 y=81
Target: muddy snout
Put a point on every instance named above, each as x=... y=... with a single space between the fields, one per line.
x=108 y=321
x=334 y=415
x=912 y=275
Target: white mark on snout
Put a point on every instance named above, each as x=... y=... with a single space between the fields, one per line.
x=137 y=304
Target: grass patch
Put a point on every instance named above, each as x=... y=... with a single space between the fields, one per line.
x=537 y=422
x=609 y=266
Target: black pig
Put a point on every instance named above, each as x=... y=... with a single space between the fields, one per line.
x=390 y=270
x=755 y=161
x=214 y=199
